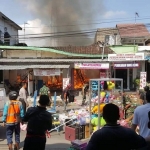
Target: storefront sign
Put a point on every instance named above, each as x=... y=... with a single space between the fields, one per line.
x=91 y=65
x=65 y=82
x=142 y=80
x=128 y=65
x=46 y=72
x=103 y=74
x=126 y=57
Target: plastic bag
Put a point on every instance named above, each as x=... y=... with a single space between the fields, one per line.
x=23 y=127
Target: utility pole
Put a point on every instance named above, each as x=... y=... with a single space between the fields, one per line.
x=24 y=31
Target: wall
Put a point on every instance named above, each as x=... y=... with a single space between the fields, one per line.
x=101 y=33
x=30 y=54
x=11 y=30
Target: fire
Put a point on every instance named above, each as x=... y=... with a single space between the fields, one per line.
x=79 y=78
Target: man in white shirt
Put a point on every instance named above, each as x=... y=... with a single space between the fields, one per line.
x=23 y=96
x=141 y=117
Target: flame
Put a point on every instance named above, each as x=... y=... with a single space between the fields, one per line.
x=79 y=78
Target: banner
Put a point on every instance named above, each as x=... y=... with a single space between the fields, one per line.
x=142 y=80
x=65 y=82
x=126 y=65
x=91 y=65
x=126 y=57
x=46 y=72
x=103 y=75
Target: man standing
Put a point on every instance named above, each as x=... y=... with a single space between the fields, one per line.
x=65 y=95
x=23 y=96
x=112 y=135
x=45 y=91
x=141 y=119
x=12 y=114
x=39 y=121
x=84 y=93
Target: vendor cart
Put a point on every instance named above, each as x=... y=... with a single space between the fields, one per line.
x=96 y=86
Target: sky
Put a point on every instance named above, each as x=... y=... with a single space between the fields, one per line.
x=72 y=15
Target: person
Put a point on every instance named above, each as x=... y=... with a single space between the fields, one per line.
x=141 y=119
x=84 y=92
x=39 y=121
x=65 y=95
x=12 y=114
x=23 y=96
x=112 y=135
x=45 y=91
x=142 y=94
x=129 y=109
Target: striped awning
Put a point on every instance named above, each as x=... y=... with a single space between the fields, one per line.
x=20 y=67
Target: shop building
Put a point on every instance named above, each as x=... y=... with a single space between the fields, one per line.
x=127 y=64
x=52 y=65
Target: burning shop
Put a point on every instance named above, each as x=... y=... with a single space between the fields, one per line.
x=82 y=72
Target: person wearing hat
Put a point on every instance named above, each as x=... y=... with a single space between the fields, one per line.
x=12 y=114
x=39 y=121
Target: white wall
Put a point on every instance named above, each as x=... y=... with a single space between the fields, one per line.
x=11 y=30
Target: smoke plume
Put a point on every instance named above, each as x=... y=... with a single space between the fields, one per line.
x=67 y=16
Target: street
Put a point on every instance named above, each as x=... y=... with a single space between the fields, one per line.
x=55 y=142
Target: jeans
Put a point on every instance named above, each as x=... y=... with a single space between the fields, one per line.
x=9 y=133
x=65 y=104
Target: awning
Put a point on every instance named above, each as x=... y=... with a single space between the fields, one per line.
x=20 y=67
x=53 y=60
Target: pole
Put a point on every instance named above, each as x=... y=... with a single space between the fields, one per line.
x=99 y=104
x=24 y=32
x=103 y=51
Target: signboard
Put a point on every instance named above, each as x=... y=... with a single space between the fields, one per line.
x=65 y=82
x=103 y=75
x=91 y=65
x=46 y=72
x=128 y=65
x=126 y=57
x=142 y=80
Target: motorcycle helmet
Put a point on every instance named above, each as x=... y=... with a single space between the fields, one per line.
x=13 y=95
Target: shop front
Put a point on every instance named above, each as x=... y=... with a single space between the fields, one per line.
x=127 y=67
x=82 y=72
x=34 y=75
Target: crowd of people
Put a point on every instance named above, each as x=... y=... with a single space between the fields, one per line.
x=39 y=121
x=110 y=136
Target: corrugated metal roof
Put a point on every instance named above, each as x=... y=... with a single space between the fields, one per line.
x=88 y=51
x=53 y=60
x=20 y=67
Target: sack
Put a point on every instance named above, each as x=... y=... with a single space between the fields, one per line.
x=23 y=127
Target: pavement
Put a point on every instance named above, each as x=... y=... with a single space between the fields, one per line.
x=55 y=142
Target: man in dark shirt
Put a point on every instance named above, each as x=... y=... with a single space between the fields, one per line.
x=113 y=136
x=39 y=121
x=65 y=95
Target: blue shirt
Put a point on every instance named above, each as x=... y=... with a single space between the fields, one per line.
x=141 y=119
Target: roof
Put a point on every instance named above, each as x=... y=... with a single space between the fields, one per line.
x=7 y=60
x=9 y=21
x=76 y=51
x=132 y=30
x=20 y=67
x=106 y=30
